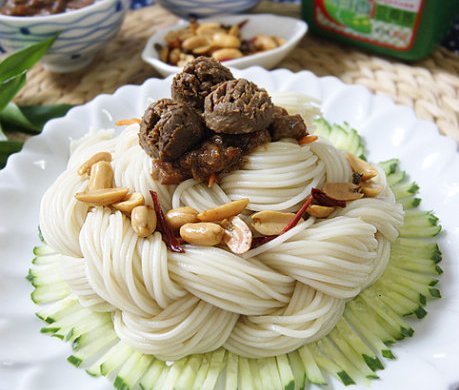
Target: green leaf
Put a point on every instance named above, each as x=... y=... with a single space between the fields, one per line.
x=9 y=89
x=7 y=148
x=21 y=61
x=3 y=137
x=13 y=115
x=39 y=115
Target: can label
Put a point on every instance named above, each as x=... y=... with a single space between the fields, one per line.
x=387 y=23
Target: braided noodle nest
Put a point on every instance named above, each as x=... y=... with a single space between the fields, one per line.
x=272 y=300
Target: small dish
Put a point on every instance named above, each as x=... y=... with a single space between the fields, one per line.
x=82 y=33
x=292 y=30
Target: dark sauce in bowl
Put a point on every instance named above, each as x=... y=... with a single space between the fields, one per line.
x=41 y=7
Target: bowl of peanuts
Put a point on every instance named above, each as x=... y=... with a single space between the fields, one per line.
x=239 y=41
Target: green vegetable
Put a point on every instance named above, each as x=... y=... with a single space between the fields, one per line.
x=18 y=63
x=22 y=119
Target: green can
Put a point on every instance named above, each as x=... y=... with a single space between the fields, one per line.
x=406 y=29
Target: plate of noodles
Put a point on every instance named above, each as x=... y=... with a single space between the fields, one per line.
x=298 y=260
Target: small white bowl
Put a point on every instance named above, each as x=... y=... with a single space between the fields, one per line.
x=292 y=30
x=82 y=33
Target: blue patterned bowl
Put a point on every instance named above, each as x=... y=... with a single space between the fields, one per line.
x=82 y=33
x=202 y=8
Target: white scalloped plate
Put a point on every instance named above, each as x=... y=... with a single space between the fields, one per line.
x=29 y=360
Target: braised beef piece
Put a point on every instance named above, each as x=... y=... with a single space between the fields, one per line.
x=238 y=107
x=286 y=126
x=169 y=129
x=213 y=156
x=247 y=142
x=197 y=79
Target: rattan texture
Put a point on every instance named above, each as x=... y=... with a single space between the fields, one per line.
x=430 y=86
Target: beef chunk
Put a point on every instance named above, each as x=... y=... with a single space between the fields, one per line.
x=197 y=79
x=247 y=142
x=286 y=126
x=212 y=157
x=169 y=129
x=238 y=107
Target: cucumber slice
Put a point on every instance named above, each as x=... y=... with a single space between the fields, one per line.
x=202 y=373
x=152 y=375
x=132 y=370
x=173 y=374
x=265 y=375
x=390 y=166
x=231 y=371
x=299 y=372
x=245 y=376
x=216 y=365
x=285 y=372
x=189 y=372
x=256 y=377
x=313 y=373
x=43 y=250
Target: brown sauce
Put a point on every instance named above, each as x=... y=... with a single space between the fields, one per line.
x=41 y=7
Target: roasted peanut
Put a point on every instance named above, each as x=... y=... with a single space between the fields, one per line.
x=178 y=217
x=101 y=176
x=264 y=42
x=237 y=235
x=143 y=220
x=365 y=170
x=194 y=42
x=319 y=211
x=103 y=197
x=224 y=211
x=226 y=40
x=203 y=49
x=126 y=206
x=226 y=54
x=202 y=233
x=164 y=53
x=270 y=223
x=209 y=29
x=85 y=168
x=174 y=56
x=342 y=191
x=371 y=189
x=234 y=30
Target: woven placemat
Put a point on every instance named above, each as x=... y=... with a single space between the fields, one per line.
x=430 y=86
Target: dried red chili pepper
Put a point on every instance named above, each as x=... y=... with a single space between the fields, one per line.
x=257 y=241
x=168 y=235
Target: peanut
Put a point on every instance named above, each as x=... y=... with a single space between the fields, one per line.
x=194 y=42
x=365 y=170
x=103 y=197
x=237 y=235
x=271 y=223
x=319 y=211
x=178 y=217
x=224 y=211
x=101 y=176
x=85 y=168
x=371 y=189
x=202 y=233
x=126 y=206
x=226 y=41
x=342 y=191
x=143 y=220
x=226 y=54
x=264 y=42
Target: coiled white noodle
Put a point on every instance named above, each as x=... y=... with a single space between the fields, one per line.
x=199 y=196
x=276 y=176
x=273 y=299
x=61 y=215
